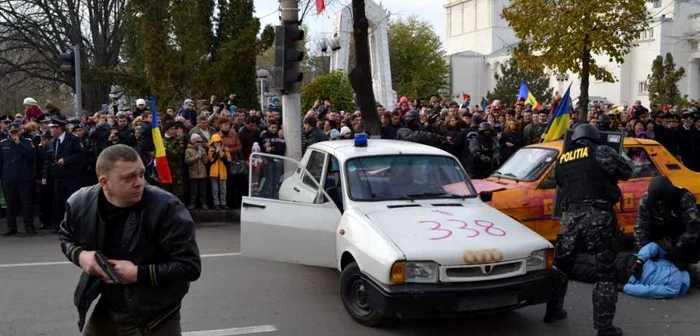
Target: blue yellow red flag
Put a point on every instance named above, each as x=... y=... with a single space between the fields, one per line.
x=560 y=120
x=161 y=160
x=527 y=96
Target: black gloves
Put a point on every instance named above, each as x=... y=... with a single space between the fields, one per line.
x=637 y=269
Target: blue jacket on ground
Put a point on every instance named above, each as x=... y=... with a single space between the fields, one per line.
x=661 y=279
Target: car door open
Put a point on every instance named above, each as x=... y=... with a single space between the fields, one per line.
x=276 y=225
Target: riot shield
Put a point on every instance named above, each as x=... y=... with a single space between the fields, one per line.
x=614 y=139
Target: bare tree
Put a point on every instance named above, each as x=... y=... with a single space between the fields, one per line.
x=361 y=74
x=44 y=28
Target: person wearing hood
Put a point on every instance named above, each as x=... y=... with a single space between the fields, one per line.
x=667 y=211
x=655 y=277
x=32 y=111
x=403 y=106
x=196 y=159
x=188 y=111
x=219 y=159
x=140 y=107
x=345 y=133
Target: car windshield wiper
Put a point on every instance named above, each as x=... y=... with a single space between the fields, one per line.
x=498 y=173
x=432 y=194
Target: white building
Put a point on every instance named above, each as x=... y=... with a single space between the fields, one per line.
x=478 y=40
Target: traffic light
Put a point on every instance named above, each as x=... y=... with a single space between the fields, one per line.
x=67 y=62
x=287 y=69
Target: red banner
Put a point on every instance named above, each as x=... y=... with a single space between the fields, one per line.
x=320 y=6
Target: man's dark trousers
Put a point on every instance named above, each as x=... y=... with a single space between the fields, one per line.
x=19 y=197
x=62 y=189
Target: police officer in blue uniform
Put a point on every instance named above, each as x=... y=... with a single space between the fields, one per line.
x=17 y=156
x=5 y=122
x=587 y=174
x=64 y=168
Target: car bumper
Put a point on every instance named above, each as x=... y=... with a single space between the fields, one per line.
x=445 y=299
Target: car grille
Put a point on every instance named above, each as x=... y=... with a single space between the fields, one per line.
x=467 y=273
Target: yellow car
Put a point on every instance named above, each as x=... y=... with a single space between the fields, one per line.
x=523 y=187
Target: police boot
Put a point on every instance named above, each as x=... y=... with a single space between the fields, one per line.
x=555 y=316
x=610 y=331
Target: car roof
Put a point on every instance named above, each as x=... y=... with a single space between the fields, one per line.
x=345 y=149
x=628 y=143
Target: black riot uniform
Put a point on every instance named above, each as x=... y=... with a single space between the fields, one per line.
x=65 y=168
x=484 y=153
x=587 y=175
x=604 y=123
x=669 y=216
x=411 y=131
x=16 y=174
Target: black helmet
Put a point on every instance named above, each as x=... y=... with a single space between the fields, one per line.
x=411 y=115
x=604 y=119
x=662 y=189
x=485 y=127
x=585 y=131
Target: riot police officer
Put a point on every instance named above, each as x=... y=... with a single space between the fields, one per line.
x=668 y=215
x=484 y=152
x=412 y=131
x=604 y=123
x=17 y=156
x=587 y=175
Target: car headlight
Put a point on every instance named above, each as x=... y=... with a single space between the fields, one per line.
x=541 y=259
x=414 y=272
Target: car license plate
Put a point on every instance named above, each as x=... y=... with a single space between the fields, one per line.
x=488 y=303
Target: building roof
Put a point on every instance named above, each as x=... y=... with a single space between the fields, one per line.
x=345 y=149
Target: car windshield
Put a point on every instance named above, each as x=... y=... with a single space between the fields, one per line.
x=382 y=178
x=527 y=164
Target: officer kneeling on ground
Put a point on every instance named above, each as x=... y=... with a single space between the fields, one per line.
x=587 y=176
x=668 y=216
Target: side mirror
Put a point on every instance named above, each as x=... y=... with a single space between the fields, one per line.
x=548 y=184
x=486 y=196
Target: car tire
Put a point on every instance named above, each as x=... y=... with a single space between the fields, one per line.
x=353 y=295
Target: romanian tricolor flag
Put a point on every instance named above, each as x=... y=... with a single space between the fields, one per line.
x=161 y=161
x=560 y=120
x=527 y=96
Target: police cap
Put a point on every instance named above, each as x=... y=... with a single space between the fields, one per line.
x=585 y=131
x=15 y=128
x=57 y=122
x=5 y=119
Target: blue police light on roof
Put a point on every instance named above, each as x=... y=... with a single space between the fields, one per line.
x=361 y=140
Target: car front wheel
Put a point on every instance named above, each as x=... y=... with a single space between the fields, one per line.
x=353 y=293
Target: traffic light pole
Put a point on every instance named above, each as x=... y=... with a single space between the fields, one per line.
x=78 y=83
x=291 y=101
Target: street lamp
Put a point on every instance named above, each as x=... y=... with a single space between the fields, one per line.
x=262 y=76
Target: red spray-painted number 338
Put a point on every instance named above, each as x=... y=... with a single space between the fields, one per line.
x=487 y=227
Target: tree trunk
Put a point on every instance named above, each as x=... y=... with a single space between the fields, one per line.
x=361 y=75
x=585 y=79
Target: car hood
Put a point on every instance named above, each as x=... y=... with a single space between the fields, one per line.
x=485 y=185
x=457 y=235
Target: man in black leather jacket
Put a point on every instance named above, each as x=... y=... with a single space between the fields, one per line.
x=149 y=238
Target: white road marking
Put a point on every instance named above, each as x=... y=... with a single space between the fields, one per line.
x=233 y=331
x=52 y=263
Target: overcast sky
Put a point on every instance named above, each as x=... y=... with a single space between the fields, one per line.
x=322 y=26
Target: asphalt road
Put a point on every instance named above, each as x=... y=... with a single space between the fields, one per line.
x=241 y=296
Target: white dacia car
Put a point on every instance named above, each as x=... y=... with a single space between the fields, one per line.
x=402 y=223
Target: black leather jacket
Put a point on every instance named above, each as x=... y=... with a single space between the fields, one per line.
x=159 y=237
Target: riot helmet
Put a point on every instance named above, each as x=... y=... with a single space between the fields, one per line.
x=485 y=128
x=585 y=131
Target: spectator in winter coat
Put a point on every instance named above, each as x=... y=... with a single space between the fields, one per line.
x=510 y=140
x=218 y=172
x=32 y=111
x=188 y=111
x=313 y=134
x=196 y=159
x=389 y=130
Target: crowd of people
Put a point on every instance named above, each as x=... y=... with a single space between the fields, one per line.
x=46 y=156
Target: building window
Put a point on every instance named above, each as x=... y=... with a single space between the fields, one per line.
x=643 y=87
x=694 y=45
x=657 y=3
x=647 y=34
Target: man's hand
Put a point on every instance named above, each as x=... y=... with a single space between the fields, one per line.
x=637 y=269
x=127 y=271
x=15 y=139
x=60 y=162
x=87 y=262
